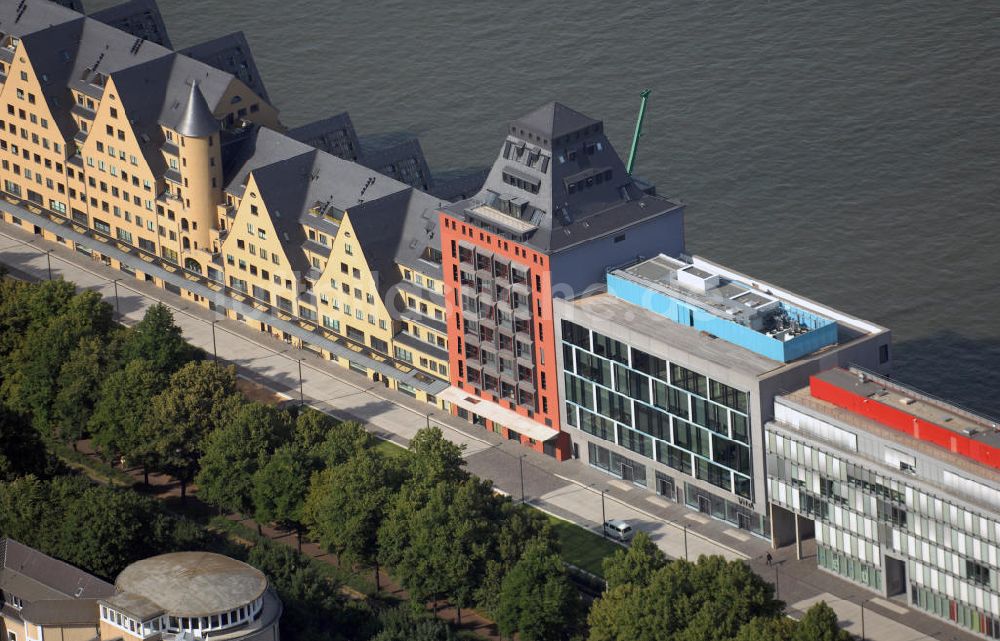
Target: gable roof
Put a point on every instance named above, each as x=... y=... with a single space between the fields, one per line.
x=33 y=576
x=334 y=135
x=231 y=53
x=141 y=18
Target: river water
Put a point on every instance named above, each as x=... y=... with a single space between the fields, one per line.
x=849 y=150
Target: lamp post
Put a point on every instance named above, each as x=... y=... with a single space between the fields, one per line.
x=777 y=591
x=215 y=350
x=48 y=261
x=604 y=518
x=520 y=467
x=686 y=556
x=118 y=309
x=302 y=397
x=863 y=637
x=428 y=417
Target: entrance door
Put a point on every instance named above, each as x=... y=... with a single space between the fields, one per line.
x=628 y=474
x=743 y=521
x=895 y=576
x=704 y=505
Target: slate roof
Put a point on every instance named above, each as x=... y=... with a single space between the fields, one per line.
x=560 y=183
x=334 y=135
x=70 y=51
x=297 y=177
x=62 y=612
x=404 y=161
x=33 y=576
x=196 y=120
x=141 y=18
x=231 y=53
x=553 y=120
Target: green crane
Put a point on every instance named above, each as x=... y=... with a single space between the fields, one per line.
x=638 y=131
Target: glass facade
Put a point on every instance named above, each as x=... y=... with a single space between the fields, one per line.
x=884 y=532
x=661 y=411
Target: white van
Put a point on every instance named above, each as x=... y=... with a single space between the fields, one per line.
x=618 y=530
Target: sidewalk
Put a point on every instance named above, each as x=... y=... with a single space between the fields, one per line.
x=571 y=490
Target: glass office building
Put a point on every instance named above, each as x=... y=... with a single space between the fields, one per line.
x=890 y=508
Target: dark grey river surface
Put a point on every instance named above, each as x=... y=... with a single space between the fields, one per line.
x=849 y=151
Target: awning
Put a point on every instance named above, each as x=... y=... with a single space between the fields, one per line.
x=490 y=410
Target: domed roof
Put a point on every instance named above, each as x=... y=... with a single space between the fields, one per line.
x=191 y=584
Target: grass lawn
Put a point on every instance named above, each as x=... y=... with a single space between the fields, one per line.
x=581 y=547
x=391 y=450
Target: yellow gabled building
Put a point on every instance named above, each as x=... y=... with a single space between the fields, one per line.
x=174 y=171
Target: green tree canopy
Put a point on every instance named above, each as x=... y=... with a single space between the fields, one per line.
x=778 y=628
x=157 y=339
x=439 y=540
x=403 y=624
x=312 y=428
x=434 y=459
x=347 y=503
x=820 y=624
x=280 y=487
x=22 y=452
x=122 y=419
x=536 y=599
x=200 y=398
x=233 y=453
x=635 y=564
x=79 y=379
x=341 y=442
x=705 y=601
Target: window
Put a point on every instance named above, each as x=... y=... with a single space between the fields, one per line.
x=883 y=354
x=348 y=249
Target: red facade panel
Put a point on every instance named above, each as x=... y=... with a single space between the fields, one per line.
x=546 y=382
x=905 y=422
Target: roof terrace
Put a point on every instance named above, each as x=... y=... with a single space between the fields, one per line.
x=712 y=300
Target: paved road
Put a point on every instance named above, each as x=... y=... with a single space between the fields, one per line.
x=570 y=490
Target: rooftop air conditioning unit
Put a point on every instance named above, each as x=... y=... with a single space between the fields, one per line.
x=907 y=401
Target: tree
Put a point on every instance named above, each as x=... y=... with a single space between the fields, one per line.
x=312 y=428
x=311 y=608
x=31 y=380
x=347 y=504
x=122 y=419
x=518 y=527
x=536 y=598
x=439 y=539
x=280 y=487
x=233 y=453
x=201 y=397
x=402 y=624
x=710 y=599
x=434 y=459
x=79 y=383
x=779 y=628
x=820 y=624
x=341 y=442
x=635 y=564
x=157 y=339
x=21 y=450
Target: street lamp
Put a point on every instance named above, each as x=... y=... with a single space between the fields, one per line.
x=428 y=417
x=520 y=465
x=118 y=309
x=604 y=518
x=48 y=261
x=302 y=397
x=777 y=592
x=215 y=350
x=686 y=557
x=863 y=618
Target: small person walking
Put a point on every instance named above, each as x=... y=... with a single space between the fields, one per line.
x=768 y=558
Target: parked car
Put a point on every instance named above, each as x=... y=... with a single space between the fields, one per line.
x=618 y=530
